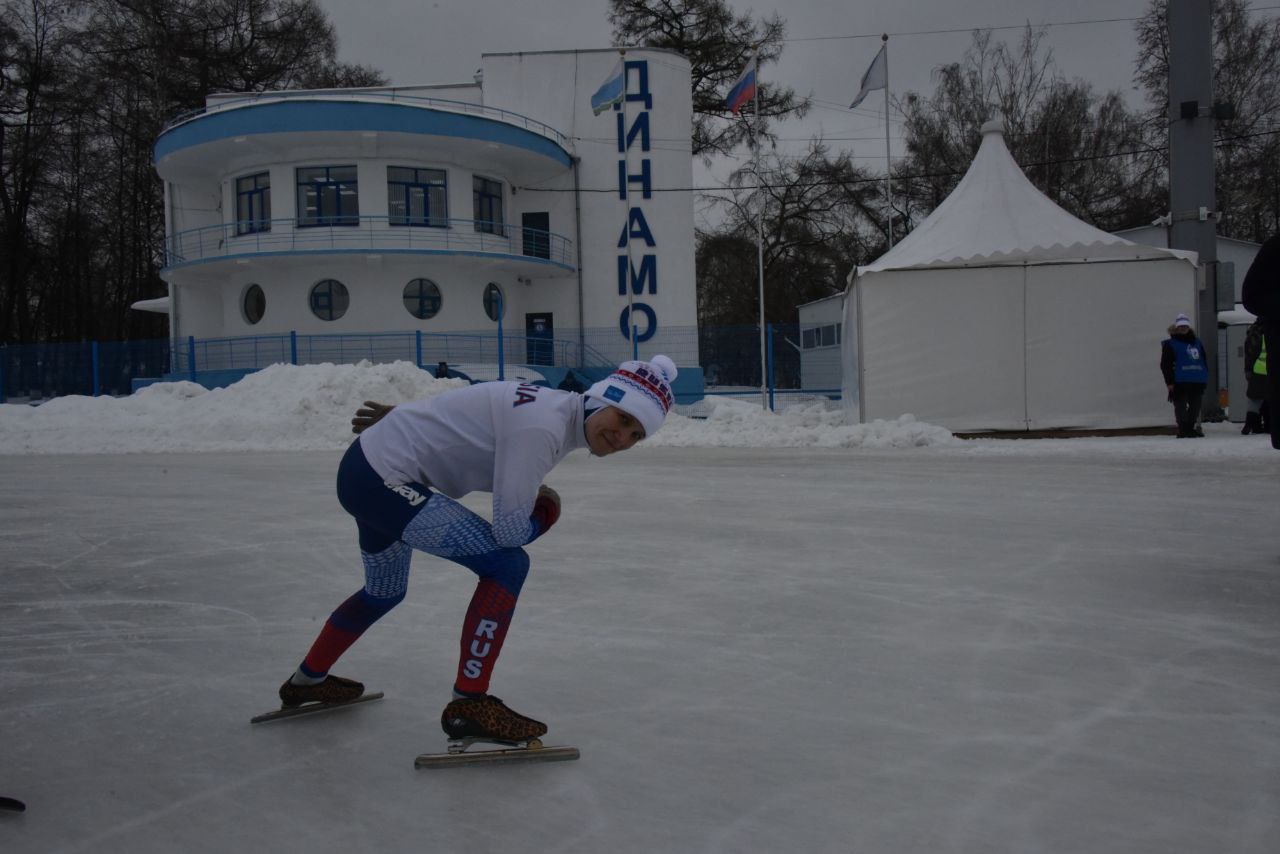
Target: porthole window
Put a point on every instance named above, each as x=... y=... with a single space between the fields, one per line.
x=493 y=302
x=329 y=299
x=422 y=298
x=253 y=304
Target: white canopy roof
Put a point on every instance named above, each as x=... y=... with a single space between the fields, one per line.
x=995 y=216
x=160 y=305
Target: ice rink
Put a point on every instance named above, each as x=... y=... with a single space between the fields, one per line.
x=995 y=647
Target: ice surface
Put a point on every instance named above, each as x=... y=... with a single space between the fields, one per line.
x=1059 y=645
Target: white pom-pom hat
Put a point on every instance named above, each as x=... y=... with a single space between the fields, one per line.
x=640 y=389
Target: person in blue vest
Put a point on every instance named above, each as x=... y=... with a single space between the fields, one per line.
x=1258 y=417
x=1260 y=294
x=1186 y=372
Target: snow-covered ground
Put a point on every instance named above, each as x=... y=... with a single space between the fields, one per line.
x=764 y=632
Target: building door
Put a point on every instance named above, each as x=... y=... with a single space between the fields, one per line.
x=539 y=337
x=535 y=231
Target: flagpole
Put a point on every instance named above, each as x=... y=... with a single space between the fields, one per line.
x=626 y=211
x=764 y=365
x=888 y=161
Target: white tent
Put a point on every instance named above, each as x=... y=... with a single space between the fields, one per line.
x=1002 y=311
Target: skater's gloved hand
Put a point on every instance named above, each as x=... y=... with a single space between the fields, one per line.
x=1170 y=398
x=546 y=510
x=368 y=415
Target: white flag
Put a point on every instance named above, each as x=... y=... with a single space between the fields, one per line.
x=612 y=91
x=877 y=77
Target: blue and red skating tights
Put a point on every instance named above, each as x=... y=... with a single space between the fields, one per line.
x=394 y=522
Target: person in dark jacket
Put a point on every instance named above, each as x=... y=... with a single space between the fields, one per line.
x=1257 y=419
x=1186 y=372
x=1260 y=294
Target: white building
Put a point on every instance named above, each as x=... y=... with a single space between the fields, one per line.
x=424 y=208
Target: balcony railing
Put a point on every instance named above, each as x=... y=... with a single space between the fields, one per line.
x=367 y=234
x=443 y=104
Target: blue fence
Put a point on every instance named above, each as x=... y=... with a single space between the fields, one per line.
x=422 y=348
x=728 y=356
x=40 y=371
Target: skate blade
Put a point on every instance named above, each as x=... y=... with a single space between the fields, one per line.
x=313 y=708
x=532 y=751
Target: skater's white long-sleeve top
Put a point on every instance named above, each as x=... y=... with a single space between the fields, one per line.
x=499 y=437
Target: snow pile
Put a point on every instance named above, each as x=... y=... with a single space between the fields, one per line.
x=309 y=407
x=280 y=408
x=741 y=424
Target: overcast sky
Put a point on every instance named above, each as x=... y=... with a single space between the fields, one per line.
x=441 y=41
x=830 y=45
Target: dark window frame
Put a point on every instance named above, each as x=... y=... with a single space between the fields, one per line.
x=329 y=190
x=487 y=205
x=261 y=301
x=422 y=297
x=418 y=192
x=253 y=199
x=324 y=303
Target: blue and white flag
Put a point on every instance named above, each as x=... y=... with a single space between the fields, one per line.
x=877 y=77
x=612 y=91
x=744 y=88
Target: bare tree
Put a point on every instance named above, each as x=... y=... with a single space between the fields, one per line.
x=818 y=217
x=86 y=86
x=1088 y=153
x=1246 y=70
x=38 y=97
x=717 y=42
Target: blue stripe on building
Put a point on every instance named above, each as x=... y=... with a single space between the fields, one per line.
x=321 y=116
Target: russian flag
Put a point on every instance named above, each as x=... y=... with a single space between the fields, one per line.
x=744 y=88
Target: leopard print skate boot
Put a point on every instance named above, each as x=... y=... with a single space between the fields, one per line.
x=488 y=718
x=334 y=689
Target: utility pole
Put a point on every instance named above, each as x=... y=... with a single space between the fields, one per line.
x=1192 y=193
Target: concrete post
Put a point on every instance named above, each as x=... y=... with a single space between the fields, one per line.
x=1192 y=194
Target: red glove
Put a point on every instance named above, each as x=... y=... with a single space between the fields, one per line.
x=546 y=510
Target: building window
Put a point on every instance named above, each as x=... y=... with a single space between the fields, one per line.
x=253 y=203
x=493 y=302
x=253 y=304
x=486 y=195
x=328 y=195
x=329 y=299
x=422 y=298
x=820 y=336
x=417 y=197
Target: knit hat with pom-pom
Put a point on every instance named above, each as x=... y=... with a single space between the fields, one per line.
x=640 y=389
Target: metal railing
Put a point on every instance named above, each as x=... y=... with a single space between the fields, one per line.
x=366 y=233
x=443 y=104
x=425 y=349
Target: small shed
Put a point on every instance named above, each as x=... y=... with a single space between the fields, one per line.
x=820 y=326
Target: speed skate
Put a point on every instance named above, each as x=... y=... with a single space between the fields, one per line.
x=313 y=708
x=531 y=750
